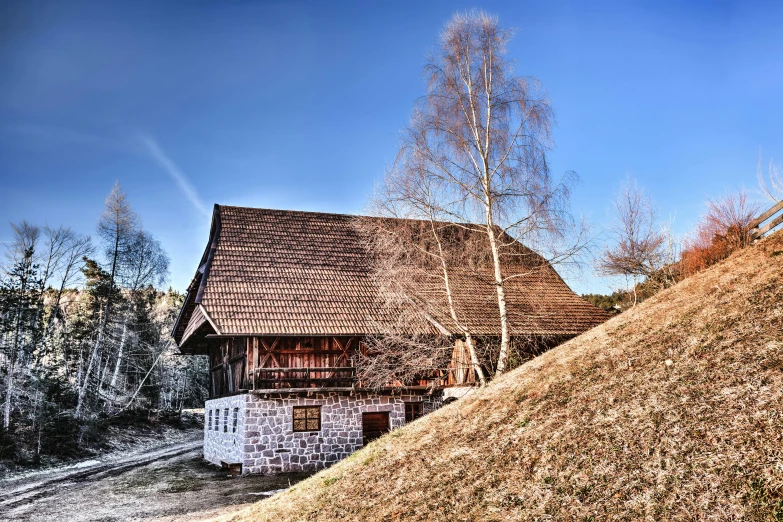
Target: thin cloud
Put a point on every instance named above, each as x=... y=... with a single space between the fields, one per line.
x=174 y=171
x=60 y=134
x=149 y=148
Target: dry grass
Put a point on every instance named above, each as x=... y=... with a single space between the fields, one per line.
x=671 y=411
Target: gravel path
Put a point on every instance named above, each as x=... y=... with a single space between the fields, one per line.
x=171 y=482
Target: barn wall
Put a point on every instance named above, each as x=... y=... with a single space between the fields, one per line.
x=222 y=441
x=271 y=445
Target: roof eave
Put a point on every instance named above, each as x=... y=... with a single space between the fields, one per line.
x=202 y=271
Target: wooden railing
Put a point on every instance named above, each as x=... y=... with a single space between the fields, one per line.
x=757 y=230
x=316 y=377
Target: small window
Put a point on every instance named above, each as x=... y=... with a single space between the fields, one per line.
x=307 y=418
x=236 y=419
x=225 y=420
x=412 y=411
x=209 y=426
x=217 y=419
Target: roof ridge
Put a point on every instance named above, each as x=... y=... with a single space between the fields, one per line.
x=294 y=211
x=338 y=214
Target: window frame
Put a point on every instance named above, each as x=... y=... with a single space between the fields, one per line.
x=217 y=419
x=225 y=420
x=307 y=419
x=413 y=405
x=236 y=420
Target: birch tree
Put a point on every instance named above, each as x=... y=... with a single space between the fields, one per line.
x=482 y=135
x=413 y=247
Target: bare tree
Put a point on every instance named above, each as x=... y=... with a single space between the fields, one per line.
x=771 y=186
x=116 y=227
x=480 y=136
x=75 y=248
x=26 y=238
x=639 y=247
x=410 y=257
x=55 y=244
x=417 y=246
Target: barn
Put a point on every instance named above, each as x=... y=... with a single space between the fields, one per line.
x=281 y=303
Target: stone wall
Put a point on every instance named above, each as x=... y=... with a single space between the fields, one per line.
x=271 y=445
x=223 y=437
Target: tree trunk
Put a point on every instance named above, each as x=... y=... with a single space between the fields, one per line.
x=119 y=354
x=133 y=397
x=9 y=390
x=9 y=379
x=498 y=274
x=56 y=308
x=80 y=367
x=452 y=310
x=475 y=360
x=90 y=364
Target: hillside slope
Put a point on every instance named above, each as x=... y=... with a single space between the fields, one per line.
x=671 y=411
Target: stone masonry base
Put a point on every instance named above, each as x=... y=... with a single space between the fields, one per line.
x=257 y=430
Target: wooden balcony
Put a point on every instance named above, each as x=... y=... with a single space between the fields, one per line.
x=298 y=378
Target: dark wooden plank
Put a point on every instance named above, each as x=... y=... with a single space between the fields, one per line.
x=769 y=226
x=310 y=368
x=766 y=215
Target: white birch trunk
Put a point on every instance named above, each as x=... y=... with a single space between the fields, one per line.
x=119 y=354
x=498 y=274
x=453 y=311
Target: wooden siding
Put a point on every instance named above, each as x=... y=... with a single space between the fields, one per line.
x=239 y=364
x=266 y=362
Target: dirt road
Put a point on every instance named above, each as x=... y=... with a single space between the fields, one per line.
x=168 y=483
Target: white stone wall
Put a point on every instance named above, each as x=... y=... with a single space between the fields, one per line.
x=271 y=445
x=226 y=443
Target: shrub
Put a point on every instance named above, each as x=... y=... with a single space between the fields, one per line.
x=724 y=228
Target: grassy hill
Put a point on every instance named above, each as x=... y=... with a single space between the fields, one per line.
x=671 y=411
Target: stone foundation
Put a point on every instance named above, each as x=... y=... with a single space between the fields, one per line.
x=223 y=440
x=265 y=441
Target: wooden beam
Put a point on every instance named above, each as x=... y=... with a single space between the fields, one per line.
x=306 y=368
x=766 y=215
x=769 y=226
x=392 y=389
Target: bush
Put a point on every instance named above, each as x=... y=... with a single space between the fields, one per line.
x=723 y=229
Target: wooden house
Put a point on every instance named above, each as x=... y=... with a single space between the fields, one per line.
x=280 y=304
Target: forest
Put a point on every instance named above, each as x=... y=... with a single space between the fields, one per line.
x=85 y=337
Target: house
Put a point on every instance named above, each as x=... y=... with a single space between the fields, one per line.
x=280 y=304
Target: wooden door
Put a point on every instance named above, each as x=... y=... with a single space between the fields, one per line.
x=374 y=425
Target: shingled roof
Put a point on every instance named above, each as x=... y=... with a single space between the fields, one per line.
x=280 y=272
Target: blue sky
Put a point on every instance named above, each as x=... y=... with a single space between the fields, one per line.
x=298 y=105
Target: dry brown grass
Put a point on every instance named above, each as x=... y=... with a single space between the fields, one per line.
x=671 y=411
